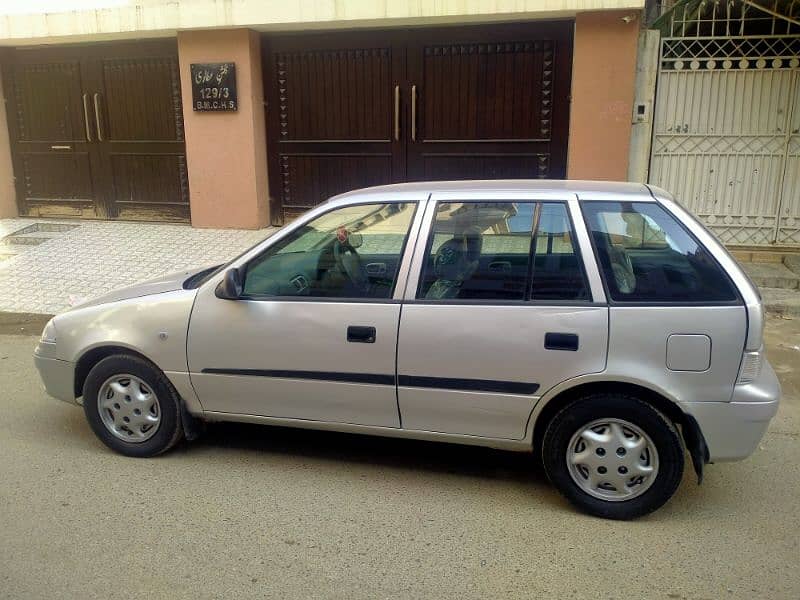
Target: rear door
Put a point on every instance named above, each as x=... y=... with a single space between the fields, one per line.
x=497 y=310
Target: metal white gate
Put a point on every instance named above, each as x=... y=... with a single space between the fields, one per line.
x=726 y=131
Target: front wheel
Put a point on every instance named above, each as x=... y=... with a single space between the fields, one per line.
x=613 y=456
x=132 y=407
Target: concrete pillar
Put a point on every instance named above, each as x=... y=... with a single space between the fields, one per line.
x=226 y=151
x=644 y=96
x=603 y=72
x=8 y=199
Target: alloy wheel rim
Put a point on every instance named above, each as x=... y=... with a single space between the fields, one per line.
x=612 y=459
x=129 y=408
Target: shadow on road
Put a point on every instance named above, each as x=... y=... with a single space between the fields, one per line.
x=363 y=449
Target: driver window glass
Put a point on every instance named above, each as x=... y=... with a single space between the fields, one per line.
x=350 y=252
x=478 y=251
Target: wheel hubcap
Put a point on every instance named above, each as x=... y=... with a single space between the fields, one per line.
x=129 y=408
x=612 y=459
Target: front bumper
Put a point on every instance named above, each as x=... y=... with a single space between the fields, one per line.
x=57 y=375
x=733 y=430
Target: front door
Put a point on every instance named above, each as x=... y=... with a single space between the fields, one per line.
x=349 y=110
x=501 y=313
x=97 y=131
x=314 y=336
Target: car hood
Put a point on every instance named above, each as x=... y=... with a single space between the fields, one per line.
x=165 y=283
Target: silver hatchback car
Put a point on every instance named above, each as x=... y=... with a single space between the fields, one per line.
x=598 y=324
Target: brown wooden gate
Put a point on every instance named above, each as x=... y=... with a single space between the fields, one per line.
x=97 y=131
x=348 y=110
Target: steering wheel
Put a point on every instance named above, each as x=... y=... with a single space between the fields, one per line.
x=349 y=262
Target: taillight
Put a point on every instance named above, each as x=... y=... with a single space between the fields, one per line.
x=750 y=368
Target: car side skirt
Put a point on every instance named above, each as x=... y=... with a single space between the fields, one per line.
x=522 y=445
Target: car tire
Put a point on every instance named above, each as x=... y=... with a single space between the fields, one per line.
x=598 y=450
x=142 y=393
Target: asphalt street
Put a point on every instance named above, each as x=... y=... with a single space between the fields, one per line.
x=259 y=512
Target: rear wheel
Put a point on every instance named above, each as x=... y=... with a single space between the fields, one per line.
x=613 y=456
x=132 y=407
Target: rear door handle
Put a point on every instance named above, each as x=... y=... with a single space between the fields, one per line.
x=361 y=334
x=561 y=341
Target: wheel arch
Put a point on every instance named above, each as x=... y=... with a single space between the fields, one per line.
x=192 y=426
x=690 y=430
x=94 y=355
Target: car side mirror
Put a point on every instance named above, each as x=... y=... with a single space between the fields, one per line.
x=230 y=288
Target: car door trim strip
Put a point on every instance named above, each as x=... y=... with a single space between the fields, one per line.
x=446 y=383
x=471 y=385
x=370 y=378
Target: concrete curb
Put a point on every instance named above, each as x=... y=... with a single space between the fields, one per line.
x=22 y=323
x=781 y=302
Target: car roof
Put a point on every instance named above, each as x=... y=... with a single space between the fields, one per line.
x=586 y=190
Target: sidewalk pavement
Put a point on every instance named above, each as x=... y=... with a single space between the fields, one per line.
x=50 y=265
x=47 y=266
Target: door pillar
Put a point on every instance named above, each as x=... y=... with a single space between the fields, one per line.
x=226 y=151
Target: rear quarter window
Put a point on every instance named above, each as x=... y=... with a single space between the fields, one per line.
x=646 y=255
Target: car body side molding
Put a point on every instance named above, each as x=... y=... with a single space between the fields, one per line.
x=371 y=378
x=470 y=385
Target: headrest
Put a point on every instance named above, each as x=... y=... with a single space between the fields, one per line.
x=474 y=243
x=457 y=258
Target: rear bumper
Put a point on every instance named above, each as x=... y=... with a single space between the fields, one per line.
x=58 y=377
x=733 y=430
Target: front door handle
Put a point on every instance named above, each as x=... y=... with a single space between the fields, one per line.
x=561 y=341
x=361 y=334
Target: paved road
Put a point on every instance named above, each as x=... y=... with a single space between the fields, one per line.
x=271 y=513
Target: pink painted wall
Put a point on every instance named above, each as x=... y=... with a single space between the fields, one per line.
x=226 y=151
x=603 y=73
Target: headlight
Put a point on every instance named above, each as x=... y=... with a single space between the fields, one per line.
x=49 y=333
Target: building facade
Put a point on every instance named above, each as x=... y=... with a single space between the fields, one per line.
x=329 y=96
x=242 y=113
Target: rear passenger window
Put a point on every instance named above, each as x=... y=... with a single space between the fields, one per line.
x=478 y=251
x=647 y=256
x=502 y=251
x=557 y=268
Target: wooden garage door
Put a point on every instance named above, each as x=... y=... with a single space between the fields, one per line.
x=349 y=110
x=97 y=131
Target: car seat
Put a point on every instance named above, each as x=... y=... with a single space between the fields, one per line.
x=455 y=262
